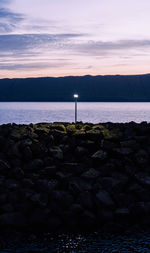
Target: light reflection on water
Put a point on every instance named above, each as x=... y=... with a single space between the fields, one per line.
x=85 y=243
x=24 y=113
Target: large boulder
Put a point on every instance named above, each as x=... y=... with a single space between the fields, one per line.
x=100 y=155
x=104 y=198
x=56 y=153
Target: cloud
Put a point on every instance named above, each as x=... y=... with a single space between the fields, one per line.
x=9 y=20
x=44 y=51
x=24 y=42
x=3 y=2
x=102 y=48
x=32 y=66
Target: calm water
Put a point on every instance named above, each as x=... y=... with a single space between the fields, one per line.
x=87 y=112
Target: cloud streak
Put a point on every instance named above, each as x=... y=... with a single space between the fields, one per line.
x=25 y=42
x=32 y=66
x=101 y=48
x=9 y=20
x=29 y=41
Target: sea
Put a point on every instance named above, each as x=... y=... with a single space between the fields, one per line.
x=29 y=112
x=25 y=113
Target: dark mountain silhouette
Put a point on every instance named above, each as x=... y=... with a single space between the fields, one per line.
x=90 y=88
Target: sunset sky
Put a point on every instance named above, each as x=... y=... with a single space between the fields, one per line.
x=74 y=37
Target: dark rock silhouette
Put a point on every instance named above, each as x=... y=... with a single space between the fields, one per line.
x=52 y=177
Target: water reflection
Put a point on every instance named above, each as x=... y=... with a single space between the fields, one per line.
x=85 y=243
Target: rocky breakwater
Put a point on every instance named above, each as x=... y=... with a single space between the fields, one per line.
x=63 y=176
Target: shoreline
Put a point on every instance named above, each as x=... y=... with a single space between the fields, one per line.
x=66 y=177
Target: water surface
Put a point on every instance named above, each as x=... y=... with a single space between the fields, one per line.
x=24 y=113
x=139 y=243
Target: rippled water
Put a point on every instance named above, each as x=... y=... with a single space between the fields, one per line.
x=139 y=243
x=24 y=113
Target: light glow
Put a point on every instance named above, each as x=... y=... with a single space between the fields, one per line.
x=76 y=96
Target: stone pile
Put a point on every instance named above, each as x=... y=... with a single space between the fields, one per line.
x=62 y=177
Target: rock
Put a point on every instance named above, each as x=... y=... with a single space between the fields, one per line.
x=38 y=219
x=90 y=174
x=80 y=152
x=139 y=210
x=87 y=221
x=35 y=164
x=48 y=161
x=13 y=220
x=56 y=152
x=77 y=185
x=18 y=173
x=35 y=198
x=53 y=223
x=7 y=208
x=108 y=145
x=139 y=192
x=123 y=200
x=71 y=128
x=143 y=179
x=61 y=199
x=16 y=162
x=25 y=143
x=94 y=135
x=89 y=145
x=52 y=185
x=46 y=185
x=12 y=184
x=3 y=198
x=27 y=153
x=123 y=151
x=73 y=167
x=15 y=134
x=122 y=213
x=50 y=170
x=4 y=166
x=26 y=182
x=130 y=144
x=2 y=142
x=63 y=176
x=100 y=155
x=58 y=135
x=141 y=157
x=13 y=151
x=105 y=215
x=112 y=183
x=86 y=200
x=59 y=127
x=38 y=149
x=103 y=197
x=76 y=209
x=13 y=197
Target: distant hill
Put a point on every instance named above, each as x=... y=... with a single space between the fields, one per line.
x=90 y=88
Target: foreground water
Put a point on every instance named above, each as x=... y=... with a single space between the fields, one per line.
x=24 y=113
x=139 y=243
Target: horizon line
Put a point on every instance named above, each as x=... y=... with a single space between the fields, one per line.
x=64 y=76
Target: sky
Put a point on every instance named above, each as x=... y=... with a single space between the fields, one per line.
x=74 y=37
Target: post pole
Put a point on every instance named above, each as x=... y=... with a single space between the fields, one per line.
x=76 y=98
x=75 y=110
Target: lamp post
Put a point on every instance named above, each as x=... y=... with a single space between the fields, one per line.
x=76 y=97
